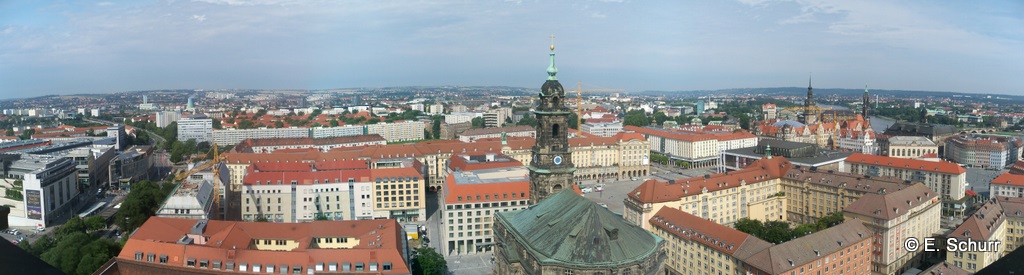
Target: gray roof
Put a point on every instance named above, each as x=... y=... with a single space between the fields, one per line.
x=793 y=123
x=910 y=141
x=919 y=129
x=892 y=203
x=822 y=156
x=800 y=251
x=568 y=229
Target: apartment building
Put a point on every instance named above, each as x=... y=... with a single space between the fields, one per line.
x=165 y=118
x=301 y=196
x=604 y=129
x=477 y=186
x=841 y=249
x=894 y=216
x=1014 y=210
x=398 y=131
x=909 y=147
x=699 y=246
x=234 y=136
x=986 y=226
x=399 y=194
x=339 y=131
x=189 y=246
x=461 y=117
x=946 y=178
x=472 y=135
x=197 y=127
x=753 y=192
x=813 y=194
x=696 y=147
x=770 y=111
x=1007 y=185
x=984 y=151
x=322 y=144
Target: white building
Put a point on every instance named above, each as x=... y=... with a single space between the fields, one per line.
x=436 y=109
x=472 y=135
x=339 y=131
x=166 y=117
x=198 y=127
x=1008 y=185
x=416 y=107
x=478 y=186
x=461 y=117
x=192 y=199
x=602 y=129
x=49 y=190
x=234 y=136
x=398 y=131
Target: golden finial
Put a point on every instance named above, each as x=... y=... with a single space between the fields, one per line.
x=552 y=42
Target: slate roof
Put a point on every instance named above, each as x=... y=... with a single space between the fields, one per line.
x=981 y=225
x=800 y=251
x=892 y=203
x=570 y=230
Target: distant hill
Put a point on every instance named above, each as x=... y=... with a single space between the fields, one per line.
x=825 y=92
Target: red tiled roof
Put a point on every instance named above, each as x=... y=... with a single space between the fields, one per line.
x=514 y=190
x=711 y=234
x=654 y=191
x=981 y=225
x=160 y=236
x=912 y=164
x=1009 y=179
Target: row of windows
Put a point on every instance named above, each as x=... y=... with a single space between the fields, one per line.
x=488 y=196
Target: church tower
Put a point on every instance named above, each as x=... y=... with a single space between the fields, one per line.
x=865 y=103
x=551 y=169
x=810 y=117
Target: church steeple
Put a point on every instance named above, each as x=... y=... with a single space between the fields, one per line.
x=866 y=104
x=810 y=117
x=552 y=70
x=551 y=169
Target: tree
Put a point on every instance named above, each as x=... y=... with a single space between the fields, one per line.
x=27 y=133
x=572 y=121
x=95 y=223
x=752 y=227
x=636 y=118
x=10 y=132
x=278 y=124
x=373 y=121
x=477 y=122
x=528 y=120
x=777 y=232
x=660 y=118
x=830 y=220
x=216 y=124
x=429 y=262
x=261 y=218
x=436 y=128
x=744 y=121
x=334 y=123
x=141 y=203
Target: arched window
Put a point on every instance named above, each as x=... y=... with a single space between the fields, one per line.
x=556 y=188
x=554 y=130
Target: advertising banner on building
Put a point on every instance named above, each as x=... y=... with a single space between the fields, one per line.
x=33 y=201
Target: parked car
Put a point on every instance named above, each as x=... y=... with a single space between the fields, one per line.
x=587 y=190
x=599 y=188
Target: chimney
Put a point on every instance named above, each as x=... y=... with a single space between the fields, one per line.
x=231 y=253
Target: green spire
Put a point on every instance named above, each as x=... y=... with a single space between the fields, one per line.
x=768 y=151
x=551 y=68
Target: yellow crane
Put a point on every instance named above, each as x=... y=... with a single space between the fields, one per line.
x=217 y=158
x=579 y=106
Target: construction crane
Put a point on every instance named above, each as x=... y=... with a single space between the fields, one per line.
x=217 y=158
x=579 y=106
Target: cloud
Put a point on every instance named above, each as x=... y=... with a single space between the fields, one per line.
x=248 y=2
x=597 y=14
x=199 y=18
x=103 y=4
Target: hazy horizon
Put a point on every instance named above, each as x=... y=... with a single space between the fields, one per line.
x=116 y=46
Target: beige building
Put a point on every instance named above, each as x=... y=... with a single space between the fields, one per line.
x=987 y=226
x=1014 y=210
x=699 y=246
x=894 y=216
x=300 y=192
x=946 y=178
x=698 y=147
x=910 y=147
x=812 y=194
x=753 y=192
x=398 y=131
x=621 y=156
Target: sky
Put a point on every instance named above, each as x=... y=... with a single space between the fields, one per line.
x=67 y=47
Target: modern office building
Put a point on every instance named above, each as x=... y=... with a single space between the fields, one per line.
x=601 y=128
x=234 y=136
x=197 y=127
x=799 y=153
x=49 y=190
x=321 y=144
x=120 y=136
x=165 y=118
x=398 y=131
x=697 y=147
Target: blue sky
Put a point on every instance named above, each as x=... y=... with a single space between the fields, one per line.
x=62 y=47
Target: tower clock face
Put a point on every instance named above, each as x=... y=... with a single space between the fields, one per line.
x=558 y=160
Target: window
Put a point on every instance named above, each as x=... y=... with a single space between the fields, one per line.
x=151 y=257
x=359 y=266
x=216 y=264
x=386 y=266
x=138 y=256
x=204 y=264
x=163 y=259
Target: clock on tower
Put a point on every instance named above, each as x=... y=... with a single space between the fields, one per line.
x=552 y=168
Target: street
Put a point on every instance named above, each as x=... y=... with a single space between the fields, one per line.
x=615 y=191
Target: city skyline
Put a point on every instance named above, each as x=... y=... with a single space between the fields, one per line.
x=96 y=47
